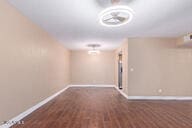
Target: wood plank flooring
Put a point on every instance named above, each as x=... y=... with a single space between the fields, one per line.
x=106 y=108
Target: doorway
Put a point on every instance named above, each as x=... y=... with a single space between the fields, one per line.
x=120 y=70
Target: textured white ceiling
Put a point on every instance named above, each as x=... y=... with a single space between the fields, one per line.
x=75 y=22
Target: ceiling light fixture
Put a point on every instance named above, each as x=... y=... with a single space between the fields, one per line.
x=115 y=16
x=93 y=50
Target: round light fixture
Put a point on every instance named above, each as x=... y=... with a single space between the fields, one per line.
x=116 y=16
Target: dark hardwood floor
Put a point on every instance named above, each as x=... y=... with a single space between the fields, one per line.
x=107 y=108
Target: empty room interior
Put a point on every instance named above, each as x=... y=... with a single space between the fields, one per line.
x=95 y=63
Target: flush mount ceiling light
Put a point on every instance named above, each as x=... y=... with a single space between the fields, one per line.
x=116 y=16
x=93 y=50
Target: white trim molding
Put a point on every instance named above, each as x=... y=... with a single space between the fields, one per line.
x=159 y=98
x=153 y=97
x=30 y=110
x=92 y=86
x=122 y=93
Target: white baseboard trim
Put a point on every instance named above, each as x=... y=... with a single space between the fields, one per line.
x=122 y=93
x=153 y=97
x=159 y=98
x=92 y=86
x=32 y=109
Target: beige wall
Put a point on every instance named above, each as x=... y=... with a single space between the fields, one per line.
x=124 y=49
x=33 y=65
x=92 y=69
x=159 y=64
